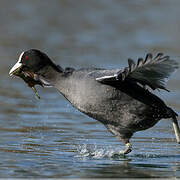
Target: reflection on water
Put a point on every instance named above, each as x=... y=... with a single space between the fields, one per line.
x=126 y=169
x=48 y=137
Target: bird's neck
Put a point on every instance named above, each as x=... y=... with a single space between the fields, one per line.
x=51 y=73
x=57 y=77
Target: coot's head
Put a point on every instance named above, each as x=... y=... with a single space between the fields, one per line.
x=32 y=61
x=34 y=67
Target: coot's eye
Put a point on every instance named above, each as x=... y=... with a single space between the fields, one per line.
x=26 y=57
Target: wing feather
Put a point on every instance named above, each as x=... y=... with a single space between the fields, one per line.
x=153 y=72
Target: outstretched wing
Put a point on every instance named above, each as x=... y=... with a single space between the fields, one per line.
x=153 y=72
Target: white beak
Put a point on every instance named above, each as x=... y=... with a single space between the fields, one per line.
x=16 y=66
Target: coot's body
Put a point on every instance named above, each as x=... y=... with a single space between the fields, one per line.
x=123 y=108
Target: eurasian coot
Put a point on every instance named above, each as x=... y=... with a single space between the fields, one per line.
x=121 y=99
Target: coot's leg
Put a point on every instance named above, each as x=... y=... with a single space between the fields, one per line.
x=125 y=137
x=176 y=129
x=128 y=148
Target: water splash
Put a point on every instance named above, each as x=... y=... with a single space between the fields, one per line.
x=100 y=152
x=94 y=151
